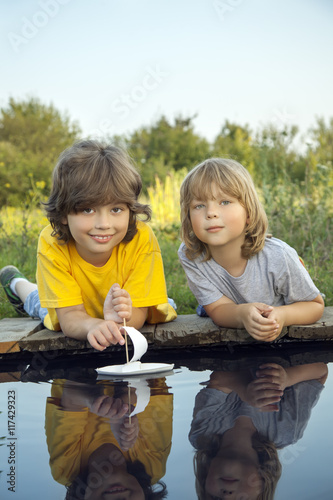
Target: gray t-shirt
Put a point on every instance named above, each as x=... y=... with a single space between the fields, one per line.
x=274 y=276
x=215 y=412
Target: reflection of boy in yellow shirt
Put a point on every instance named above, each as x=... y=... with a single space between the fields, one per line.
x=83 y=448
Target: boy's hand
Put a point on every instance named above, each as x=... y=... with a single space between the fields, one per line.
x=261 y=321
x=105 y=406
x=76 y=323
x=103 y=333
x=117 y=305
x=267 y=389
x=273 y=373
x=128 y=433
x=263 y=394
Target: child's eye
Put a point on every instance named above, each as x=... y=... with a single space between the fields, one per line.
x=87 y=210
x=225 y=202
x=198 y=206
x=116 y=210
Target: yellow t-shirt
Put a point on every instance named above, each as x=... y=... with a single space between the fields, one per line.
x=72 y=436
x=65 y=279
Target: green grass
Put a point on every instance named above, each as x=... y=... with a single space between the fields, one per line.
x=17 y=252
x=174 y=274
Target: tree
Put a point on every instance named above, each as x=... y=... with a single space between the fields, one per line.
x=321 y=137
x=164 y=147
x=275 y=156
x=235 y=142
x=32 y=135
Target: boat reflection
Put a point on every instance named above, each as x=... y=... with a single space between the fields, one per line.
x=241 y=420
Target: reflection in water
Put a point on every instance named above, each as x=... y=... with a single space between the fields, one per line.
x=241 y=419
x=97 y=450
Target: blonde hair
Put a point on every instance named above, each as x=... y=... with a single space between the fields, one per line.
x=234 y=180
x=89 y=173
x=269 y=465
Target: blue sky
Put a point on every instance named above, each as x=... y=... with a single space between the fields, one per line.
x=117 y=65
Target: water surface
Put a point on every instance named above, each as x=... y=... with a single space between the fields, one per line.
x=53 y=419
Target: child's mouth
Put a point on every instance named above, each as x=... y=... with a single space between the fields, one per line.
x=114 y=489
x=100 y=238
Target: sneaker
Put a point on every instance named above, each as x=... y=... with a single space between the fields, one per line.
x=7 y=274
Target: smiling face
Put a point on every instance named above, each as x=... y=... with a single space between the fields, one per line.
x=219 y=221
x=96 y=231
x=119 y=486
x=108 y=478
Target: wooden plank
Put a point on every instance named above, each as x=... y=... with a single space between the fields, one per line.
x=322 y=330
x=192 y=330
x=10 y=377
x=12 y=330
x=47 y=340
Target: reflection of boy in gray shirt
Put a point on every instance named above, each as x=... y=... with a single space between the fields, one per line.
x=241 y=420
x=274 y=276
x=215 y=412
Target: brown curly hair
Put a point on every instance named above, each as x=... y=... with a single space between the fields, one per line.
x=88 y=173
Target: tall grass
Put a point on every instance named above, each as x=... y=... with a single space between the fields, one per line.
x=299 y=213
x=164 y=201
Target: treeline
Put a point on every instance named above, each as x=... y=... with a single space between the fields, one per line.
x=33 y=134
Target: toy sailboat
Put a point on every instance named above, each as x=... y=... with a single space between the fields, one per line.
x=134 y=366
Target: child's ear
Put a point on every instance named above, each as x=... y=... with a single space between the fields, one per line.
x=64 y=221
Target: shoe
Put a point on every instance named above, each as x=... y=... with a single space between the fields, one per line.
x=7 y=274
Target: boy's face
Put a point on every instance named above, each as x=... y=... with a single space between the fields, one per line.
x=219 y=221
x=233 y=479
x=97 y=230
x=108 y=477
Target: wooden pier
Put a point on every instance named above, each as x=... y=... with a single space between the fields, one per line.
x=19 y=335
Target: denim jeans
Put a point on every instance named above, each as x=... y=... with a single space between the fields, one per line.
x=33 y=308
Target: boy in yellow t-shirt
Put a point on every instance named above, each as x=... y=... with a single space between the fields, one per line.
x=97 y=264
x=93 y=444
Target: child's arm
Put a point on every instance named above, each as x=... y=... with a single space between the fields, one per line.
x=298 y=313
x=260 y=393
x=76 y=323
x=261 y=321
x=77 y=396
x=224 y=312
x=286 y=377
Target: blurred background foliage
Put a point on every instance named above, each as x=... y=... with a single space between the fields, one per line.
x=33 y=134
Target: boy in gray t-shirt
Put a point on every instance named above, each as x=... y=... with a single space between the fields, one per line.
x=242 y=418
x=241 y=277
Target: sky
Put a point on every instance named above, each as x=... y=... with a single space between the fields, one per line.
x=114 y=66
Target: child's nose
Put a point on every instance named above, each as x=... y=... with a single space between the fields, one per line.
x=211 y=215
x=103 y=221
x=211 y=212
